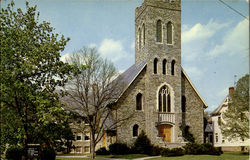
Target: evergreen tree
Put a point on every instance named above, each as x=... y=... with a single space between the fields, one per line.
x=236 y=118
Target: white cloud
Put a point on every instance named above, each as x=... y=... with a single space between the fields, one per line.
x=235 y=41
x=194 y=72
x=92 y=45
x=132 y=46
x=201 y=32
x=247 y=1
x=113 y=50
x=65 y=57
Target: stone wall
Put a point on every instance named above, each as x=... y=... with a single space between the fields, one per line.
x=194 y=110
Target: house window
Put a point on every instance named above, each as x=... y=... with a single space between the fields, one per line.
x=86 y=149
x=172 y=67
x=169 y=33
x=216 y=137
x=158 y=31
x=164 y=66
x=78 y=149
x=135 y=130
x=183 y=104
x=78 y=137
x=86 y=138
x=155 y=65
x=219 y=121
x=139 y=101
x=164 y=101
x=139 y=38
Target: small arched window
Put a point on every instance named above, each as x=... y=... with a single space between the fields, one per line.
x=158 y=31
x=155 y=65
x=183 y=104
x=139 y=38
x=164 y=66
x=143 y=34
x=169 y=33
x=164 y=101
x=139 y=101
x=172 y=67
x=135 y=130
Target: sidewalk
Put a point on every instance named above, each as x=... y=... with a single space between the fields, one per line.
x=85 y=156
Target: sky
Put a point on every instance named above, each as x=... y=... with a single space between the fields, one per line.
x=215 y=39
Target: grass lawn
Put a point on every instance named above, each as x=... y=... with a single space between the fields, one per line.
x=129 y=156
x=225 y=156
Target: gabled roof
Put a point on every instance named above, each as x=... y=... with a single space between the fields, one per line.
x=127 y=77
x=185 y=74
x=218 y=109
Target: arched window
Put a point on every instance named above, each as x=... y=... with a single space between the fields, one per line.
x=158 y=31
x=139 y=38
x=172 y=67
x=183 y=104
x=143 y=34
x=169 y=33
x=164 y=100
x=139 y=101
x=135 y=130
x=164 y=66
x=155 y=65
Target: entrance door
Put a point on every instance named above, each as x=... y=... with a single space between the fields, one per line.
x=165 y=132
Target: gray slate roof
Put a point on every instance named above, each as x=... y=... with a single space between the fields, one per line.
x=127 y=77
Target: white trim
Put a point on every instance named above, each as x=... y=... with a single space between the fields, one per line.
x=185 y=74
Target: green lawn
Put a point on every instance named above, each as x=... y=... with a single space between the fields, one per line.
x=225 y=156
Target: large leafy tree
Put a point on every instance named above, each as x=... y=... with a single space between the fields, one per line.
x=236 y=118
x=30 y=73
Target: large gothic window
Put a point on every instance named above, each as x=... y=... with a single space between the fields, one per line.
x=139 y=101
x=164 y=100
x=158 y=31
x=169 y=33
x=135 y=130
x=164 y=66
x=139 y=38
x=155 y=65
x=172 y=67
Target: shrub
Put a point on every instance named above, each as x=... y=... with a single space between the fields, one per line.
x=119 y=148
x=48 y=153
x=172 y=152
x=206 y=148
x=193 y=148
x=14 y=153
x=142 y=144
x=102 y=151
x=156 y=150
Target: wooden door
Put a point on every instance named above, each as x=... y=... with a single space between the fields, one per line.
x=165 y=132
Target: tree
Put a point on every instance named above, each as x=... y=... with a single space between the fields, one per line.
x=92 y=94
x=30 y=72
x=236 y=118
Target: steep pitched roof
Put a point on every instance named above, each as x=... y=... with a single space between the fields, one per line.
x=127 y=77
x=185 y=74
x=218 y=109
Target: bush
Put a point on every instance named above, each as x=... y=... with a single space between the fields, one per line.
x=48 y=153
x=119 y=149
x=14 y=153
x=156 y=151
x=206 y=148
x=142 y=144
x=172 y=152
x=102 y=151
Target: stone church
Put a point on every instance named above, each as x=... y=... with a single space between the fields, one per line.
x=157 y=91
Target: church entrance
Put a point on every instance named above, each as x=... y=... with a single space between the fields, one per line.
x=165 y=132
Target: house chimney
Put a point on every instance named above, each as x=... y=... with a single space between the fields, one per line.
x=231 y=91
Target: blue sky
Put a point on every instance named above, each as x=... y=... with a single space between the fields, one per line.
x=215 y=39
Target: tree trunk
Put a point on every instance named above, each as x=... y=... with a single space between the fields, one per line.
x=92 y=145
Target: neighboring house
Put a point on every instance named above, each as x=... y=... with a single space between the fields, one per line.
x=157 y=91
x=219 y=139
